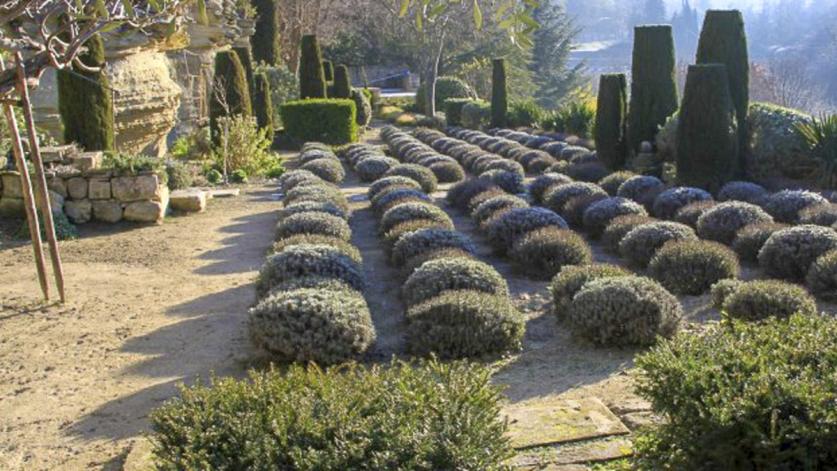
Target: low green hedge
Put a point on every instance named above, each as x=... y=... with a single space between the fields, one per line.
x=331 y=121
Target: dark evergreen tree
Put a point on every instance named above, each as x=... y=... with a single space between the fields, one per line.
x=231 y=94
x=653 y=85
x=328 y=71
x=611 y=120
x=247 y=62
x=342 y=83
x=552 y=44
x=312 y=82
x=499 y=94
x=707 y=145
x=724 y=41
x=263 y=103
x=85 y=102
x=265 y=40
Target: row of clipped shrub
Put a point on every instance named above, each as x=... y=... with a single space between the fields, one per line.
x=456 y=306
x=322 y=162
x=310 y=304
x=412 y=151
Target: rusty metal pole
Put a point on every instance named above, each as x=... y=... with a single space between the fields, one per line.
x=43 y=193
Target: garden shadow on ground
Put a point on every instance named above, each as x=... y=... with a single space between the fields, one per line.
x=239 y=252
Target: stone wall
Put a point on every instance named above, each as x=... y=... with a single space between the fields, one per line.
x=93 y=195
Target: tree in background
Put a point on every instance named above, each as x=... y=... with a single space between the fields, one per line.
x=499 y=94
x=85 y=102
x=610 y=131
x=263 y=104
x=552 y=44
x=265 y=42
x=342 y=83
x=230 y=94
x=312 y=83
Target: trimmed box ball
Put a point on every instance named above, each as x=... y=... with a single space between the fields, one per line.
x=330 y=170
x=323 y=193
x=627 y=310
x=758 y=300
x=721 y=223
x=569 y=281
x=573 y=210
x=612 y=182
x=373 y=168
x=819 y=214
x=309 y=260
x=460 y=194
x=509 y=181
x=289 y=180
x=788 y=253
x=465 y=324
x=640 y=245
x=693 y=266
x=313 y=223
x=543 y=252
x=598 y=215
x=447 y=172
x=437 y=276
x=313 y=206
x=392 y=235
x=504 y=229
x=751 y=238
x=640 y=187
x=557 y=196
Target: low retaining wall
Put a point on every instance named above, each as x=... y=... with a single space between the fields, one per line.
x=93 y=195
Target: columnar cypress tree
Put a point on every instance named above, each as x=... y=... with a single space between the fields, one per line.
x=653 y=86
x=724 y=41
x=707 y=146
x=611 y=120
x=342 y=82
x=247 y=62
x=499 y=94
x=328 y=70
x=265 y=39
x=85 y=102
x=312 y=82
x=263 y=103
x=230 y=86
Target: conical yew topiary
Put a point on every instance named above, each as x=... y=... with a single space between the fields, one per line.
x=707 y=145
x=342 y=83
x=230 y=93
x=653 y=85
x=265 y=40
x=247 y=62
x=312 y=82
x=499 y=94
x=263 y=103
x=85 y=102
x=328 y=70
x=611 y=120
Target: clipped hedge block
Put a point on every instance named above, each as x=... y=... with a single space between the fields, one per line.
x=332 y=121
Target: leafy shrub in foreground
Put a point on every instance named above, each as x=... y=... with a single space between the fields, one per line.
x=692 y=266
x=461 y=324
x=785 y=205
x=442 y=415
x=640 y=245
x=543 y=252
x=764 y=393
x=436 y=276
x=309 y=260
x=422 y=175
x=416 y=243
x=788 y=253
x=569 y=281
x=822 y=276
x=504 y=229
x=757 y=300
x=313 y=223
x=316 y=239
x=312 y=324
x=721 y=223
x=624 y=310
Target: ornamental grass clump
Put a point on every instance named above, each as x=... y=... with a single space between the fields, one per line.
x=316 y=239
x=721 y=223
x=624 y=310
x=761 y=299
x=751 y=238
x=557 y=196
x=785 y=205
x=422 y=175
x=325 y=326
x=465 y=324
x=313 y=223
x=373 y=168
x=747 y=192
x=437 y=276
x=313 y=207
x=572 y=278
x=599 y=215
x=542 y=183
x=690 y=213
x=693 y=266
x=822 y=276
x=764 y=393
x=410 y=211
x=504 y=229
x=416 y=243
x=788 y=253
x=619 y=227
x=490 y=207
x=640 y=245
x=667 y=203
x=330 y=170
x=542 y=253
x=309 y=260
x=388 y=182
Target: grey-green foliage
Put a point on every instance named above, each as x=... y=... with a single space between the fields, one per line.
x=542 y=253
x=640 y=245
x=785 y=205
x=316 y=239
x=788 y=253
x=758 y=300
x=387 y=182
x=572 y=278
x=289 y=180
x=307 y=260
x=722 y=222
x=409 y=211
x=721 y=290
x=312 y=206
x=504 y=229
x=312 y=222
x=598 y=215
x=619 y=227
x=751 y=238
x=414 y=244
x=423 y=176
x=822 y=276
x=693 y=266
x=437 y=276
x=329 y=170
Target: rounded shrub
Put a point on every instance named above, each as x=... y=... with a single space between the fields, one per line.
x=330 y=170
x=416 y=243
x=690 y=213
x=612 y=182
x=587 y=171
x=599 y=215
x=313 y=223
x=751 y=238
x=308 y=260
x=460 y=194
x=667 y=203
x=436 y=254
x=624 y=310
x=542 y=253
x=721 y=290
x=446 y=88
x=619 y=227
x=572 y=278
x=785 y=205
x=437 y=276
x=447 y=172
x=758 y=300
x=505 y=165
x=422 y=175
x=394 y=196
x=486 y=195
x=822 y=276
x=640 y=245
x=542 y=183
x=490 y=207
x=313 y=324
x=819 y=214
x=312 y=207
x=510 y=182
x=504 y=229
x=788 y=253
x=573 y=210
x=464 y=324
x=316 y=239
x=692 y=266
x=373 y=168
x=640 y=188
x=747 y=192
x=721 y=223
x=390 y=182
x=557 y=196
x=322 y=193
x=412 y=225
x=410 y=211
x=315 y=154
x=289 y=180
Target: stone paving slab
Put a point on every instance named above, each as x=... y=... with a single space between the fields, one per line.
x=575 y=453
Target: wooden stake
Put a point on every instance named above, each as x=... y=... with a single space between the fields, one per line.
x=43 y=193
x=28 y=195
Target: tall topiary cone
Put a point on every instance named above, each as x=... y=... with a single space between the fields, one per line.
x=653 y=86
x=707 y=145
x=265 y=40
x=312 y=82
x=342 y=82
x=328 y=71
x=263 y=103
x=231 y=81
x=247 y=62
x=499 y=94
x=724 y=41
x=85 y=103
x=611 y=120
